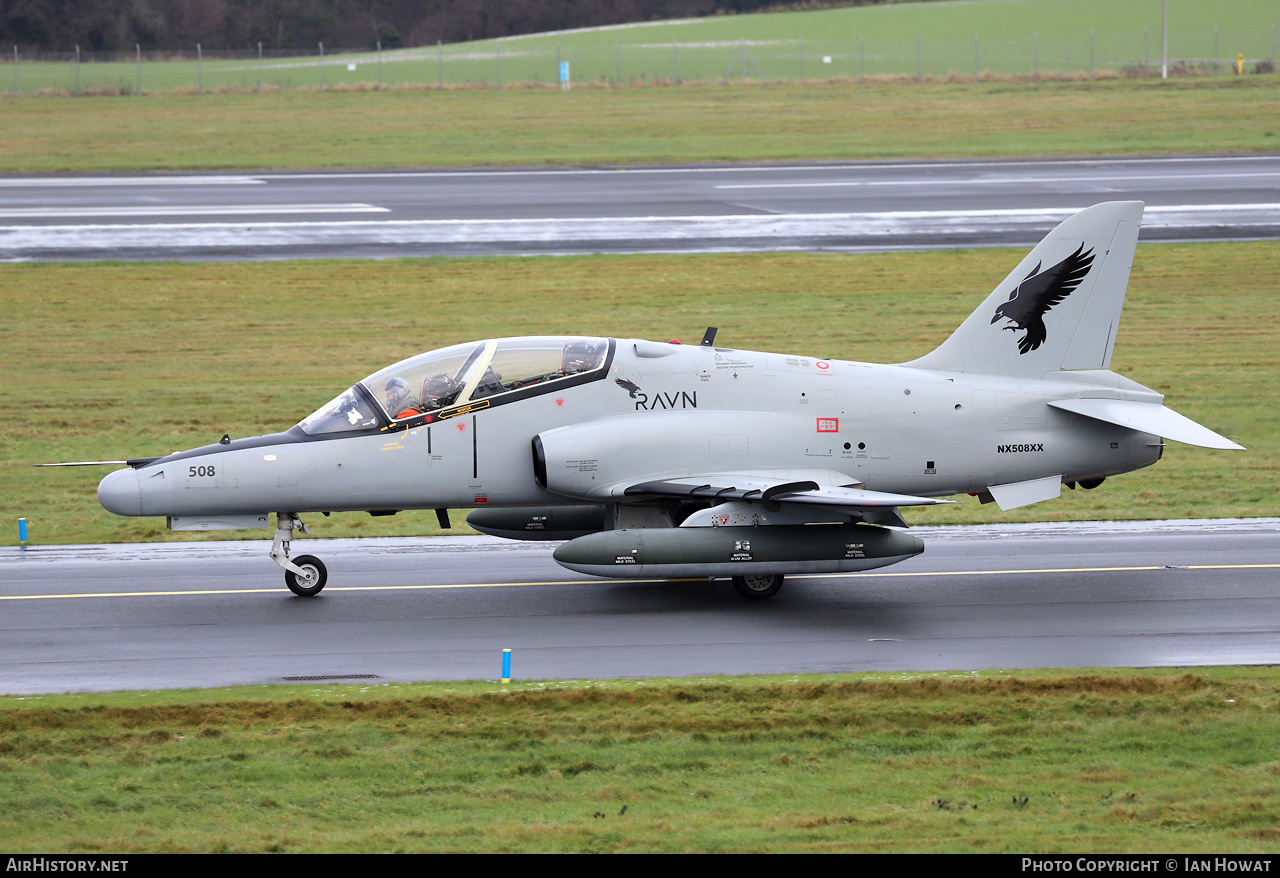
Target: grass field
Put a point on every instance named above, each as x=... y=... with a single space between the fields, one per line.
x=252 y=348
x=1047 y=762
x=639 y=126
x=116 y=360
x=932 y=40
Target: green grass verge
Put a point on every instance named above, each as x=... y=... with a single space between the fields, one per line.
x=1050 y=762
x=935 y=39
x=639 y=125
x=109 y=361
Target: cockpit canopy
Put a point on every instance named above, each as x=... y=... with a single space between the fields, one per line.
x=455 y=375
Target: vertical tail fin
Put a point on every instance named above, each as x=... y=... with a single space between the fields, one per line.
x=1059 y=309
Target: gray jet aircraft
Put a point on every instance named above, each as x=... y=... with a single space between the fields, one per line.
x=668 y=460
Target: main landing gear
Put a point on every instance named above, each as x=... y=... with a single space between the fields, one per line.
x=758 y=586
x=306 y=574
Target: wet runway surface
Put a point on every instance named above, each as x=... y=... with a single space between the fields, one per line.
x=853 y=206
x=206 y=614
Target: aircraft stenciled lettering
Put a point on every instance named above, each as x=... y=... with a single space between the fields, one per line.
x=732 y=363
x=679 y=399
x=745 y=483
x=463 y=410
x=1038 y=292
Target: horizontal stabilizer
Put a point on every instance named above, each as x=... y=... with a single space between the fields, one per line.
x=1147 y=417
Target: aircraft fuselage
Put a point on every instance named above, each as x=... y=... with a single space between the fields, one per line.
x=667 y=410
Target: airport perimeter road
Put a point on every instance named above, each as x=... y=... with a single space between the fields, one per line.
x=1001 y=596
x=837 y=206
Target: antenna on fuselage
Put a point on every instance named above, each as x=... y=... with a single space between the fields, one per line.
x=709 y=337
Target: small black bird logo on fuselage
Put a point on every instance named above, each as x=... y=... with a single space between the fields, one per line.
x=1040 y=291
x=626 y=385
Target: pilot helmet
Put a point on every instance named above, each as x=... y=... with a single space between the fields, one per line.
x=577 y=357
x=437 y=387
x=397 y=390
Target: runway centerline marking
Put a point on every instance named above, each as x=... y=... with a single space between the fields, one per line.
x=602 y=581
x=184 y=210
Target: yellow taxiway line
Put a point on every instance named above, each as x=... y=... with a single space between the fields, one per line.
x=139 y=594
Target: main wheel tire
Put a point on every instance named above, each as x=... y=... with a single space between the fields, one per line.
x=316 y=576
x=758 y=586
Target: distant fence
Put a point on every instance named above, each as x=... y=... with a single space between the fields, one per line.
x=543 y=61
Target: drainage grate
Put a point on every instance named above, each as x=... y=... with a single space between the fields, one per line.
x=331 y=677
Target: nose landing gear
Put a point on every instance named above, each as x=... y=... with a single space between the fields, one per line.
x=304 y=575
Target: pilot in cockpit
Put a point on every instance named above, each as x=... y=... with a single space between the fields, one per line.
x=578 y=356
x=438 y=391
x=400 y=400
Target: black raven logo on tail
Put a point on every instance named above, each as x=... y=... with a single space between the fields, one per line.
x=1040 y=291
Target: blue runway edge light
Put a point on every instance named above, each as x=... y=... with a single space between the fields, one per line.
x=506 y=666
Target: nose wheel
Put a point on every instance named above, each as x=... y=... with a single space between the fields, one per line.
x=306 y=574
x=310 y=580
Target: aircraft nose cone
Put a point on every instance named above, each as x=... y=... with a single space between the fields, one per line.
x=120 y=492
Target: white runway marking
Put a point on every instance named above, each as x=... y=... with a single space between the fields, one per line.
x=812 y=229
x=81 y=182
x=181 y=210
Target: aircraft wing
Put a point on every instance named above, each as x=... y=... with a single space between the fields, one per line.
x=763 y=490
x=1148 y=418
